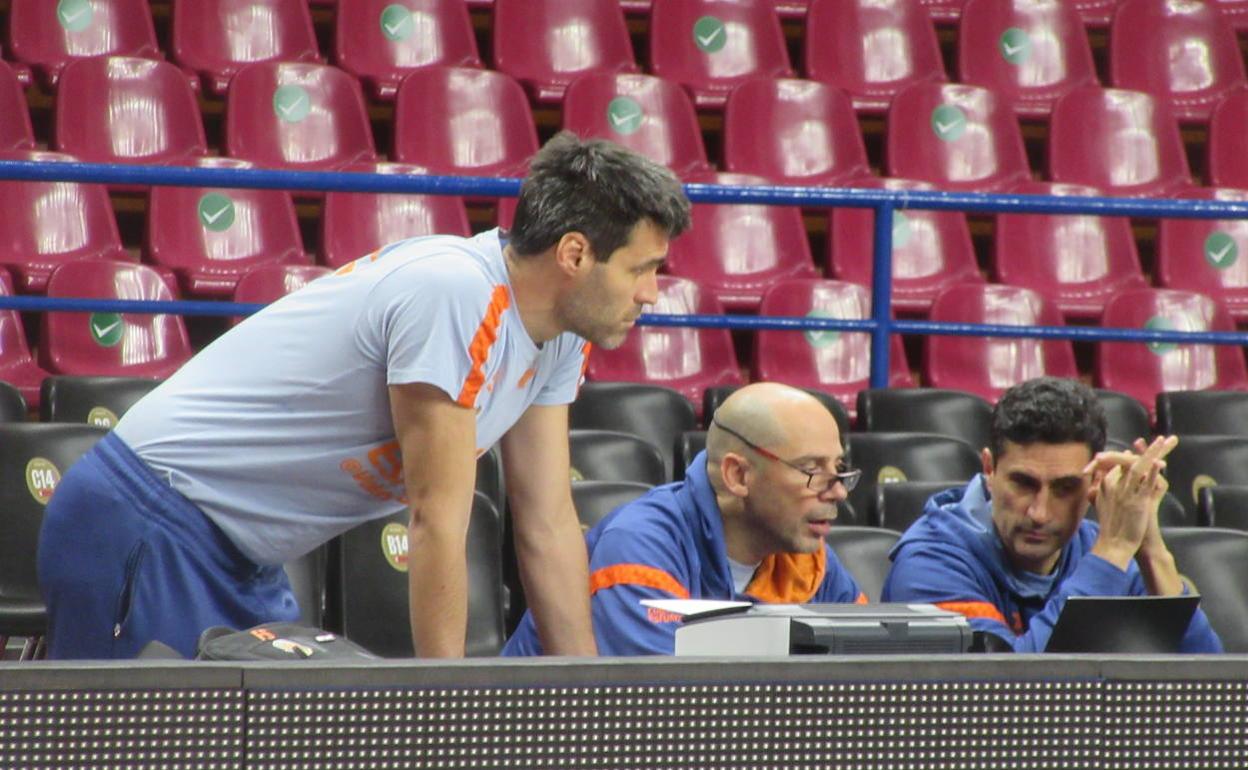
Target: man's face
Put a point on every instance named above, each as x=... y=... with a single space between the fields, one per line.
x=782 y=513
x=605 y=304
x=1039 y=496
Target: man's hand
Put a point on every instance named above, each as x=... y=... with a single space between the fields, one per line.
x=1128 y=488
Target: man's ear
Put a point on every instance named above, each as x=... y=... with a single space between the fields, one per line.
x=573 y=254
x=985 y=458
x=734 y=470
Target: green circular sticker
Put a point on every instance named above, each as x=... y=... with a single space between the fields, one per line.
x=216 y=212
x=709 y=34
x=102 y=417
x=1158 y=323
x=74 y=15
x=948 y=122
x=1221 y=250
x=1200 y=482
x=901 y=230
x=107 y=329
x=890 y=474
x=576 y=474
x=394 y=545
x=396 y=23
x=291 y=103
x=1015 y=45
x=821 y=338
x=41 y=478
x=624 y=115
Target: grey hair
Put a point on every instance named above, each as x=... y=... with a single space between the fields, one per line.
x=597 y=188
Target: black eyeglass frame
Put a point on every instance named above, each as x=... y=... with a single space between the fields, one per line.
x=848 y=478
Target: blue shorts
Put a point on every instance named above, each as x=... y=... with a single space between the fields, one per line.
x=125 y=559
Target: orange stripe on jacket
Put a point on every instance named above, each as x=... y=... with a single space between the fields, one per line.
x=636 y=575
x=482 y=341
x=789 y=578
x=974 y=610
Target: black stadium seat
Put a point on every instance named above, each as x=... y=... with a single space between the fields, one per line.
x=607 y=455
x=1200 y=461
x=888 y=457
x=898 y=505
x=657 y=414
x=1225 y=506
x=1206 y=412
x=1127 y=418
x=864 y=552
x=1216 y=562
x=12 y=405
x=690 y=443
x=926 y=410
x=595 y=499
x=94 y=400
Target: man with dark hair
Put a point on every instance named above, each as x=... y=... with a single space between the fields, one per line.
x=369 y=392
x=748 y=522
x=1007 y=549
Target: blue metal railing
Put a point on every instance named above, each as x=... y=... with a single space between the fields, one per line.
x=885 y=202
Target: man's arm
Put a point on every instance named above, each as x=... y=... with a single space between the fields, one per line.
x=550 y=547
x=438 y=440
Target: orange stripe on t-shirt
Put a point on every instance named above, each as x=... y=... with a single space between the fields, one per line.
x=482 y=341
x=636 y=575
x=974 y=610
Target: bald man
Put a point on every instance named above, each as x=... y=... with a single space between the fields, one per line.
x=747 y=523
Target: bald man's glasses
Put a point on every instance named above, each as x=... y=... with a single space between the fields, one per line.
x=820 y=481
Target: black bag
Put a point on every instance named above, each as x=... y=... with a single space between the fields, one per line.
x=277 y=641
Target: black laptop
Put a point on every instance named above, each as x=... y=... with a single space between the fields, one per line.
x=1153 y=624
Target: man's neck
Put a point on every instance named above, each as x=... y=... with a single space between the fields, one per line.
x=532 y=289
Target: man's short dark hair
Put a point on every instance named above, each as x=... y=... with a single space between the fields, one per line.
x=596 y=188
x=1048 y=410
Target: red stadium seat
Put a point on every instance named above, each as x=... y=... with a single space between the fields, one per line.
x=1122 y=142
x=1206 y=255
x=546 y=44
x=47 y=224
x=299 y=116
x=649 y=115
x=871 y=48
x=127 y=110
x=48 y=35
x=1227 y=163
x=736 y=251
x=957 y=137
x=16 y=132
x=1075 y=262
x=1096 y=14
x=210 y=237
x=988 y=366
x=1142 y=370
x=1028 y=52
x=931 y=249
x=381 y=41
x=795 y=132
x=458 y=120
x=942 y=10
x=683 y=359
x=1185 y=53
x=710 y=46
x=268 y=283
x=355 y=224
x=216 y=38
x=838 y=363
x=114 y=344
x=17 y=366
x=1234 y=11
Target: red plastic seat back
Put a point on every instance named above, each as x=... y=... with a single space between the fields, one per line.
x=649 y=115
x=1122 y=142
x=1028 y=52
x=458 y=120
x=942 y=10
x=957 y=137
x=685 y=359
x=216 y=38
x=1227 y=163
x=1207 y=255
x=210 y=237
x=1235 y=12
x=835 y=362
x=304 y=116
x=1095 y=13
x=792 y=131
x=736 y=251
x=269 y=283
x=871 y=48
x=126 y=110
x=546 y=44
x=1076 y=262
x=1183 y=52
x=48 y=34
x=987 y=366
x=1142 y=370
x=47 y=224
x=16 y=132
x=355 y=224
x=17 y=366
x=710 y=46
x=115 y=344
x=381 y=41
x=931 y=249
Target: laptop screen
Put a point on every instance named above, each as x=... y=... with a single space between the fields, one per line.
x=1153 y=624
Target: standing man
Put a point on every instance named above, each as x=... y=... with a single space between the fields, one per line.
x=367 y=392
x=1007 y=549
x=748 y=523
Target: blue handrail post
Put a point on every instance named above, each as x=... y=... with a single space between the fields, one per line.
x=881 y=294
